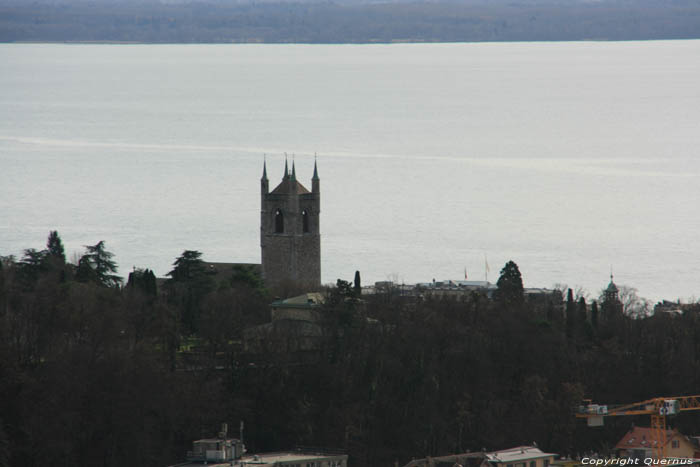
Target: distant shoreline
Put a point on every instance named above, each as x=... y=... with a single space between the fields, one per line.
x=336 y=43
x=347 y=22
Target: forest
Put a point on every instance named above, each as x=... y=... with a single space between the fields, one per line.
x=345 y=21
x=96 y=371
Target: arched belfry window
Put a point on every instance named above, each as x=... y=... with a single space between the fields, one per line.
x=279 y=222
x=305 y=221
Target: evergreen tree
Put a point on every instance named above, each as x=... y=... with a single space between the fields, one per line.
x=33 y=258
x=570 y=314
x=151 y=283
x=84 y=271
x=594 y=315
x=187 y=267
x=32 y=265
x=510 y=285
x=247 y=275
x=189 y=282
x=582 y=311
x=96 y=265
x=342 y=292
x=583 y=327
x=343 y=301
x=54 y=246
x=144 y=280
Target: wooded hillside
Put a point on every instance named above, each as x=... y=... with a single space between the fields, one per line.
x=92 y=373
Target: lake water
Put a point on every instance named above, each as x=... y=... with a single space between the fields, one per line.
x=564 y=157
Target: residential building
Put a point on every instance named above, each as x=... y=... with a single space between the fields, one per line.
x=297 y=458
x=469 y=459
x=639 y=443
x=230 y=452
x=521 y=456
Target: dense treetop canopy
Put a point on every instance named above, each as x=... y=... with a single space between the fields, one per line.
x=510 y=284
x=110 y=376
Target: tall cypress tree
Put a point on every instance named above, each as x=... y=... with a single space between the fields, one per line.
x=582 y=311
x=570 y=314
x=594 y=315
x=54 y=246
x=143 y=279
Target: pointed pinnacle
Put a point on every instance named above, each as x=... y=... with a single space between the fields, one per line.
x=294 y=171
x=264 y=177
x=315 y=177
x=286 y=167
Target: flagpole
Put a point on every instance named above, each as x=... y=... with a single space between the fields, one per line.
x=486 y=268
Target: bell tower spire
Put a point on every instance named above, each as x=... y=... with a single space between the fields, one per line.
x=264 y=182
x=315 y=181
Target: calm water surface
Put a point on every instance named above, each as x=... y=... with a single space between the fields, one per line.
x=565 y=157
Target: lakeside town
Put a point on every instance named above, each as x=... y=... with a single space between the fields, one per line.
x=452 y=372
x=637 y=447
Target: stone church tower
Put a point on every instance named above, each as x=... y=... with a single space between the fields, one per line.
x=612 y=306
x=290 y=237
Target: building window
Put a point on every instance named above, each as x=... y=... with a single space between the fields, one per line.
x=533 y=463
x=675 y=443
x=279 y=222
x=545 y=463
x=305 y=221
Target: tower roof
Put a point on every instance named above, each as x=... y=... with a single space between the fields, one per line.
x=611 y=286
x=264 y=175
x=289 y=183
x=289 y=186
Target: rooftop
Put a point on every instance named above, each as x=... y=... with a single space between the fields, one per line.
x=520 y=453
x=306 y=300
x=641 y=438
x=273 y=457
x=217 y=268
x=289 y=185
x=269 y=459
